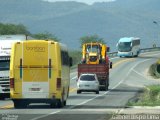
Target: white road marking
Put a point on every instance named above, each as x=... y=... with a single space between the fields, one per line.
x=73 y=73
x=140 y=74
x=153 y=54
x=74 y=78
x=112 y=88
x=46 y=115
x=114 y=58
x=132 y=69
x=148 y=52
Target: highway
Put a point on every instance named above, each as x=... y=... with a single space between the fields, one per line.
x=127 y=78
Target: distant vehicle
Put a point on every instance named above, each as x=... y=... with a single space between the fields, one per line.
x=6 y=42
x=40 y=73
x=96 y=61
x=101 y=70
x=128 y=47
x=4 y=77
x=88 y=83
x=94 y=53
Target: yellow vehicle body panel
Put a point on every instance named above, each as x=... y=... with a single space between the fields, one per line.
x=35 y=66
x=101 y=52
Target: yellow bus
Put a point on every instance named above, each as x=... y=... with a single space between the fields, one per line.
x=39 y=73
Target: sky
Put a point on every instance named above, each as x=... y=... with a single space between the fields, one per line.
x=84 y=1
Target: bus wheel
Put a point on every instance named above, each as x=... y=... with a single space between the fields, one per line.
x=60 y=103
x=19 y=104
x=53 y=104
x=132 y=55
x=64 y=103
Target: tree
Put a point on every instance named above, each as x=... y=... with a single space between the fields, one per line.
x=76 y=56
x=45 y=36
x=92 y=38
x=8 y=29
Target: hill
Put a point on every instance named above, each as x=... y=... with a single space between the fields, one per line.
x=72 y=20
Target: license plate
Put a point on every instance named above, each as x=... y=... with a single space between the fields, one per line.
x=87 y=85
x=35 y=89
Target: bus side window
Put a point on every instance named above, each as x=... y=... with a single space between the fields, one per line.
x=65 y=58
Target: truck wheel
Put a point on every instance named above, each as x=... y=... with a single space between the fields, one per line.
x=2 y=98
x=107 y=88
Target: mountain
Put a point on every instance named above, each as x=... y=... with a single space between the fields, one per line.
x=71 y=20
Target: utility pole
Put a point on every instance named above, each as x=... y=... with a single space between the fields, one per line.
x=156 y=36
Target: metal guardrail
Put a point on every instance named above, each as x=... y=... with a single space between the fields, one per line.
x=114 y=54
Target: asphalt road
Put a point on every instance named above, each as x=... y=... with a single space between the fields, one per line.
x=127 y=78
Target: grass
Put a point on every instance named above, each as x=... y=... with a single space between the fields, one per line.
x=154 y=69
x=149 y=97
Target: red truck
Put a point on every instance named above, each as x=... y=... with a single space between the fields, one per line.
x=101 y=70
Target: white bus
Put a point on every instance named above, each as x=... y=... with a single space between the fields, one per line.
x=128 y=47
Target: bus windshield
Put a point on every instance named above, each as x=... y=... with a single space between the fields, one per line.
x=4 y=65
x=124 y=46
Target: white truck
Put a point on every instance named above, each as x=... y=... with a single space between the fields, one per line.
x=6 y=42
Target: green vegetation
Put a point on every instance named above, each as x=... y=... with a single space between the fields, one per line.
x=46 y=36
x=150 y=97
x=154 y=70
x=11 y=29
x=8 y=29
x=76 y=57
x=71 y=20
x=92 y=38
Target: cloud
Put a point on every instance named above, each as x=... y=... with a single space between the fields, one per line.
x=90 y=2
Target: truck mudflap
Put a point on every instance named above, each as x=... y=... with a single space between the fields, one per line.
x=103 y=85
